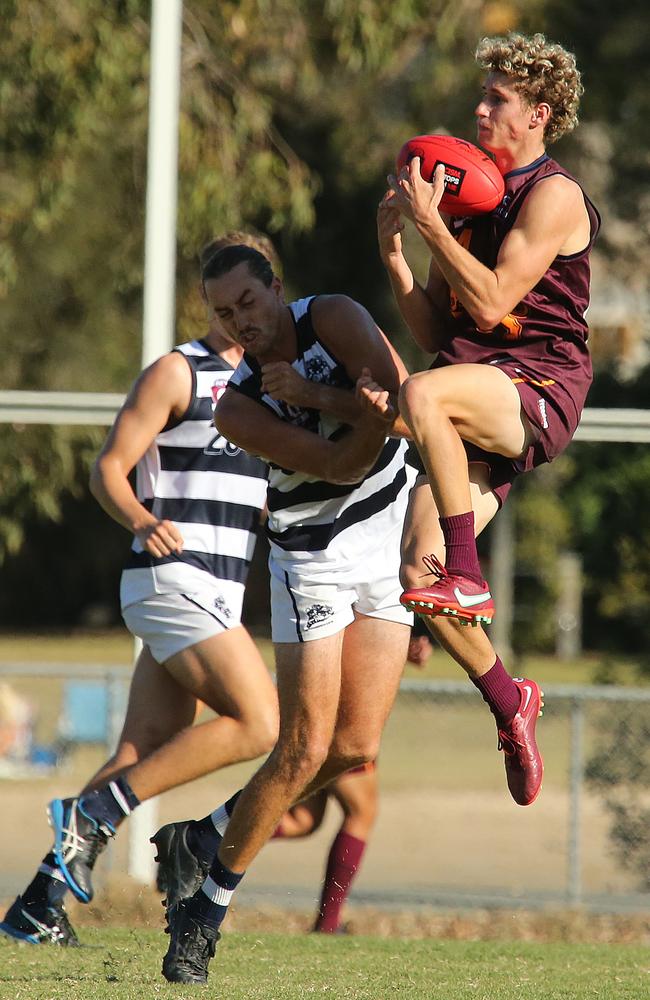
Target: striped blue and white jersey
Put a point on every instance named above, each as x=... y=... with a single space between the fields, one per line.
x=310 y=520
x=212 y=491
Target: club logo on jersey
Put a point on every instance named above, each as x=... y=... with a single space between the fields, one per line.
x=316 y=369
x=318 y=613
x=218 y=389
x=221 y=607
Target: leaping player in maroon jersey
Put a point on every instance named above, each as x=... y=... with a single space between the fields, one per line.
x=504 y=311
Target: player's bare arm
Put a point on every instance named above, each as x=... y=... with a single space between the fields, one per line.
x=349 y=330
x=553 y=221
x=281 y=381
x=161 y=392
x=334 y=315
x=421 y=308
x=254 y=428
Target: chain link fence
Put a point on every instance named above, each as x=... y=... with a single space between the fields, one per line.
x=448 y=833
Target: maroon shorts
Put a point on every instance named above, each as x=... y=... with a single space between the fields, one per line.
x=551 y=412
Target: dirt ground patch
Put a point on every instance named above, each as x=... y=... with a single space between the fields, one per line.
x=122 y=905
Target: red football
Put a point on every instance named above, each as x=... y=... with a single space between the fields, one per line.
x=473 y=183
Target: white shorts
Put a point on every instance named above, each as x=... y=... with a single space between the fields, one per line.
x=170 y=623
x=315 y=601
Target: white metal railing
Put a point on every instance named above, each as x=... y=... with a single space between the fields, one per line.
x=614 y=424
x=100 y=408
x=22 y=407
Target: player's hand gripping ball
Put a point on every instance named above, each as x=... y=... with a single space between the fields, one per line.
x=473 y=184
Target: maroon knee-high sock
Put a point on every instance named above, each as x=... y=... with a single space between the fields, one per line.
x=342 y=865
x=461 y=556
x=500 y=692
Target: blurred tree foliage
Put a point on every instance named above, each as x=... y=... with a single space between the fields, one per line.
x=611 y=150
x=607 y=498
x=619 y=768
x=292 y=112
x=542 y=531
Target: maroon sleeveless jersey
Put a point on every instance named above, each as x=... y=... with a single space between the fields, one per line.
x=546 y=332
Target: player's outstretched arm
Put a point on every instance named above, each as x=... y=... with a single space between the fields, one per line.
x=254 y=428
x=421 y=308
x=553 y=217
x=161 y=391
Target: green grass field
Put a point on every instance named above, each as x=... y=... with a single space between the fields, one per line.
x=125 y=965
x=421 y=774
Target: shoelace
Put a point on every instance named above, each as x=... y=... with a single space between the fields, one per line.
x=62 y=930
x=97 y=840
x=65 y=927
x=193 y=949
x=433 y=565
x=507 y=744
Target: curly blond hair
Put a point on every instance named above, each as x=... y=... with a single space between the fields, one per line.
x=539 y=71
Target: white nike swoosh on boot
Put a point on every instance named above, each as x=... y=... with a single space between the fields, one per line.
x=469 y=601
x=529 y=692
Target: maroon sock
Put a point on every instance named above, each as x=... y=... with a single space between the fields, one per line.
x=500 y=692
x=461 y=556
x=342 y=865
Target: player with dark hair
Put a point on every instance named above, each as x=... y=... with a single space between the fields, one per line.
x=194 y=516
x=337 y=497
x=504 y=311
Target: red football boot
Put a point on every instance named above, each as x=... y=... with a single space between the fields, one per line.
x=454 y=595
x=524 y=764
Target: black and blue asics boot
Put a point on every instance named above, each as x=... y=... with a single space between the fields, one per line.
x=39 y=923
x=78 y=840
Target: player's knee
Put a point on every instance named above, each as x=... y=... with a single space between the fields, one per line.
x=126 y=755
x=361 y=808
x=264 y=732
x=405 y=400
x=141 y=740
x=298 y=761
x=413 y=572
x=417 y=397
x=421 y=399
x=409 y=574
x=352 y=751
